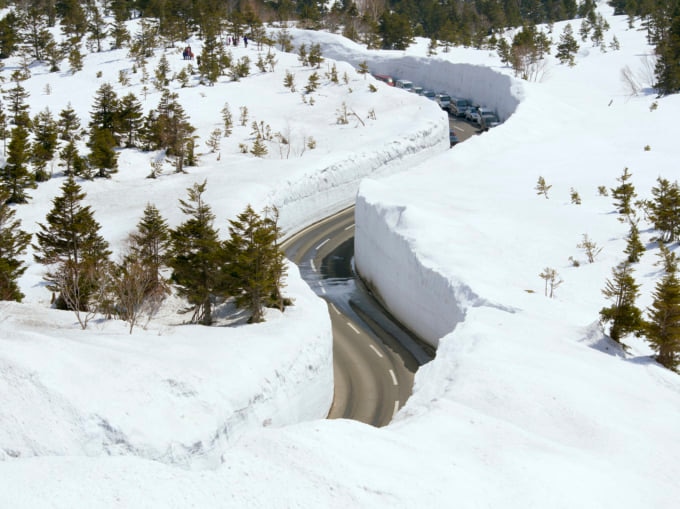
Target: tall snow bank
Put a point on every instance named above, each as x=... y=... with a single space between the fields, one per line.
x=175 y=394
x=451 y=73
x=329 y=188
x=422 y=297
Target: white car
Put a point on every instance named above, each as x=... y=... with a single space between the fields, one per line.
x=483 y=117
x=405 y=84
x=443 y=100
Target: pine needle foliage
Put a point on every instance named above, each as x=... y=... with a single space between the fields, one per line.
x=663 y=325
x=664 y=209
x=13 y=243
x=625 y=317
x=542 y=188
x=634 y=247
x=624 y=194
x=255 y=263
x=195 y=255
x=150 y=244
x=76 y=255
x=14 y=175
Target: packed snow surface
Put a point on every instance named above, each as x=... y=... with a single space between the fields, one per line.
x=527 y=404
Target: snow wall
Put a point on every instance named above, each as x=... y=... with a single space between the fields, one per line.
x=334 y=187
x=481 y=84
x=323 y=192
x=428 y=303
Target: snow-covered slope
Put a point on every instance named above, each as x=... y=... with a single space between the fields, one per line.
x=176 y=393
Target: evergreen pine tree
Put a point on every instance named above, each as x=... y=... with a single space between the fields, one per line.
x=13 y=243
x=210 y=65
x=130 y=118
x=395 y=30
x=68 y=124
x=168 y=128
x=45 y=134
x=119 y=33
x=312 y=83
x=102 y=157
x=623 y=314
x=70 y=158
x=150 y=244
x=623 y=194
x=567 y=47
x=664 y=209
x=227 y=120
x=634 y=247
x=161 y=72
x=663 y=327
x=504 y=50
x=3 y=130
x=96 y=26
x=255 y=264
x=16 y=98
x=76 y=255
x=73 y=19
x=104 y=114
x=214 y=140
x=314 y=58
x=259 y=148
x=9 y=34
x=137 y=286
x=15 y=175
x=75 y=59
x=34 y=32
x=196 y=256
x=289 y=81
x=363 y=68
x=667 y=70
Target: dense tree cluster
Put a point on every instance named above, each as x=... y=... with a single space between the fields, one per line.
x=662 y=20
x=662 y=325
x=248 y=267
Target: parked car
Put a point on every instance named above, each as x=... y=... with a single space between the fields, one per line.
x=459 y=107
x=453 y=139
x=384 y=78
x=417 y=90
x=484 y=118
x=471 y=112
x=489 y=120
x=443 y=100
x=429 y=94
x=405 y=84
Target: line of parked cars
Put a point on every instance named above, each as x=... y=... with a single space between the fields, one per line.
x=485 y=118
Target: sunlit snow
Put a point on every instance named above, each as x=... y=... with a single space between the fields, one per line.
x=527 y=404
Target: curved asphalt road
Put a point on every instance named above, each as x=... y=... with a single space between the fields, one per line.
x=374 y=357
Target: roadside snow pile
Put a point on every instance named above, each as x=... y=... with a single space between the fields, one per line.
x=175 y=394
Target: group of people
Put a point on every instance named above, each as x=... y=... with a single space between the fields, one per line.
x=187 y=54
x=234 y=40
